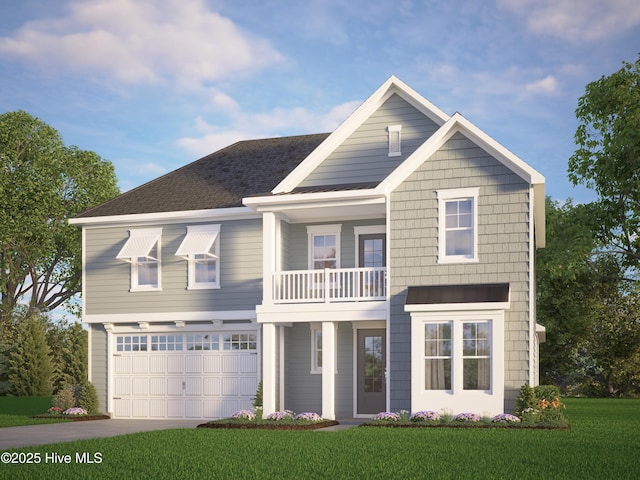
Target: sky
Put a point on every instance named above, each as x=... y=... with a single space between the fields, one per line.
x=152 y=85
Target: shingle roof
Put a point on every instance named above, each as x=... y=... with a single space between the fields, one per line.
x=219 y=180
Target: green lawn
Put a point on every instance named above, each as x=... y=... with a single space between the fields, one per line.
x=603 y=442
x=16 y=411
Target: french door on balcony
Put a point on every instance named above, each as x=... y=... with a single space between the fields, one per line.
x=372 y=249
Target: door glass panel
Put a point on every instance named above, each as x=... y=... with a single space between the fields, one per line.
x=373 y=364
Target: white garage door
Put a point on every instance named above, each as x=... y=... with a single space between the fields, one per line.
x=193 y=375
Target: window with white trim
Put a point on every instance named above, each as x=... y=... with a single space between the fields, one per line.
x=166 y=343
x=457 y=348
x=142 y=251
x=131 y=343
x=203 y=342
x=240 y=341
x=395 y=140
x=324 y=246
x=316 y=347
x=458 y=225
x=201 y=248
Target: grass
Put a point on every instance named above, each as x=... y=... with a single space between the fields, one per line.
x=602 y=443
x=16 y=411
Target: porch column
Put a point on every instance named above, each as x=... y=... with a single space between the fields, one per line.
x=329 y=334
x=269 y=368
x=269 y=257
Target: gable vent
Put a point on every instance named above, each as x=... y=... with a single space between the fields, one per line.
x=395 y=140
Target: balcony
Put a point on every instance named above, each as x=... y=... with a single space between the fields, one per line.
x=330 y=285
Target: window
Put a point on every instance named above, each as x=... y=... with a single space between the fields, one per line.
x=476 y=354
x=316 y=348
x=240 y=341
x=166 y=343
x=203 y=342
x=142 y=251
x=457 y=348
x=395 y=140
x=131 y=343
x=458 y=225
x=324 y=246
x=437 y=356
x=201 y=249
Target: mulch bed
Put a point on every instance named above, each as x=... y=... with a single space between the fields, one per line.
x=269 y=426
x=465 y=425
x=75 y=418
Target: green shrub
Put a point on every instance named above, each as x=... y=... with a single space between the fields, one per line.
x=546 y=392
x=88 y=398
x=65 y=398
x=526 y=400
x=30 y=370
x=257 y=400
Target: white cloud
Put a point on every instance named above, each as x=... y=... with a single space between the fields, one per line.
x=141 y=42
x=150 y=168
x=279 y=121
x=577 y=20
x=546 y=86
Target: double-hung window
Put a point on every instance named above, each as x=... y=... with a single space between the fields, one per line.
x=458 y=225
x=324 y=246
x=316 y=347
x=201 y=249
x=437 y=358
x=142 y=251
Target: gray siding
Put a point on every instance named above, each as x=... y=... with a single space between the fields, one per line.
x=298 y=243
x=303 y=390
x=108 y=279
x=99 y=363
x=503 y=250
x=363 y=157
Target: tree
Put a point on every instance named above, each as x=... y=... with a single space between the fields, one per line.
x=42 y=184
x=30 y=369
x=608 y=160
x=72 y=361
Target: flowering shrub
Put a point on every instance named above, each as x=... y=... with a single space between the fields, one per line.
x=552 y=411
x=387 y=416
x=244 y=415
x=308 y=416
x=75 y=411
x=505 y=418
x=426 y=416
x=467 y=417
x=54 y=411
x=282 y=415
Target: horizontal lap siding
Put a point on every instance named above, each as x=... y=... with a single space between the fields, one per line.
x=363 y=157
x=99 y=363
x=503 y=251
x=108 y=279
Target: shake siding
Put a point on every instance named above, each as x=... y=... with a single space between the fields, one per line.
x=503 y=251
x=363 y=157
x=298 y=242
x=108 y=279
x=99 y=363
x=303 y=390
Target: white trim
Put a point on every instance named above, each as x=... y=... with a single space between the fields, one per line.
x=459 y=400
x=367 y=325
x=316 y=329
x=462 y=307
x=319 y=312
x=323 y=230
x=445 y=196
x=367 y=230
x=269 y=369
x=392 y=86
x=110 y=367
x=329 y=369
x=395 y=140
x=182 y=216
x=207 y=237
x=171 y=316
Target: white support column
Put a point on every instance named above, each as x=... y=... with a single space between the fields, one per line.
x=281 y=367
x=269 y=242
x=329 y=334
x=269 y=368
x=110 y=366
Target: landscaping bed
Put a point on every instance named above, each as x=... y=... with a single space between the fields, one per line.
x=269 y=426
x=74 y=418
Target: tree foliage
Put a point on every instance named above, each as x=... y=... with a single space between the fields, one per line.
x=30 y=369
x=608 y=160
x=42 y=184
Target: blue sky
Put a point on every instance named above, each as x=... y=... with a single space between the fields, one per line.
x=153 y=85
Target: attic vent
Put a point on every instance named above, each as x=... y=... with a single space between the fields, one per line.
x=395 y=140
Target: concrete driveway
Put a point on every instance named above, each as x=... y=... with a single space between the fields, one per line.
x=31 y=435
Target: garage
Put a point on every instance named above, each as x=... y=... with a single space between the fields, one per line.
x=204 y=375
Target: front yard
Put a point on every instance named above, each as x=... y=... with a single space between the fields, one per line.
x=602 y=443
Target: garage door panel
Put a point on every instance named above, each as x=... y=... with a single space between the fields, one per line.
x=183 y=383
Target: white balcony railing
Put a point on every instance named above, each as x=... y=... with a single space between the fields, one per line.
x=330 y=285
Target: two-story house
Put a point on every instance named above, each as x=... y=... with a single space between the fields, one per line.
x=388 y=265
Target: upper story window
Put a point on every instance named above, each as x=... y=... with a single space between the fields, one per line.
x=395 y=140
x=458 y=225
x=201 y=249
x=142 y=250
x=324 y=246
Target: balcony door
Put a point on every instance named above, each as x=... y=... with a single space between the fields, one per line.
x=372 y=250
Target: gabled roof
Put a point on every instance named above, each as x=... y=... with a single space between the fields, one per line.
x=219 y=180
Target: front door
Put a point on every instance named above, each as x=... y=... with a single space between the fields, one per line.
x=371 y=364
